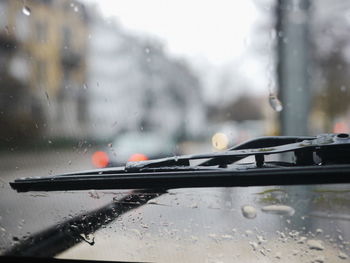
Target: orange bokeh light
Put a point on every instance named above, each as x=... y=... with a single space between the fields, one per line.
x=340 y=127
x=100 y=159
x=137 y=157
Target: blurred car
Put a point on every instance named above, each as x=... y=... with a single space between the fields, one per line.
x=135 y=146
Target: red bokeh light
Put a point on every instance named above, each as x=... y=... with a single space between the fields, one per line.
x=100 y=159
x=137 y=157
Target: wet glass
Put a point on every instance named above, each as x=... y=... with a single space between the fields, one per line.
x=93 y=84
x=270 y=224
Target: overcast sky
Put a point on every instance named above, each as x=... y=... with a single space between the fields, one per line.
x=216 y=31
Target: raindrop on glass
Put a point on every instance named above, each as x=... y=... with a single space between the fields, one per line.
x=47 y=98
x=85 y=86
x=220 y=141
x=254 y=245
x=88 y=238
x=275 y=103
x=26 y=10
x=278 y=210
x=319 y=231
x=315 y=244
x=152 y=202
x=342 y=255
x=248 y=211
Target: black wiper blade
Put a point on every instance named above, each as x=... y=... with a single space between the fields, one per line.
x=332 y=150
x=331 y=174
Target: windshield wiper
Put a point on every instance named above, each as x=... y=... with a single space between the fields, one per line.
x=317 y=160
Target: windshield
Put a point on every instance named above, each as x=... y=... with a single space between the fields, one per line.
x=88 y=84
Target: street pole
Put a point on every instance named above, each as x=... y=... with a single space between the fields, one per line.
x=293 y=65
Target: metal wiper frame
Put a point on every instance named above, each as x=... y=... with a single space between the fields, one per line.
x=332 y=150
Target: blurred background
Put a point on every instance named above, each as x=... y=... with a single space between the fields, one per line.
x=97 y=83
x=82 y=75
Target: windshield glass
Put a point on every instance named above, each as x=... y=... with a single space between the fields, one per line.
x=88 y=84
x=268 y=224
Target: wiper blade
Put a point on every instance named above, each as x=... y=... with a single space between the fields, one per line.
x=332 y=150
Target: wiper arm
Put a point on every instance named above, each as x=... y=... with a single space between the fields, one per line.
x=257 y=147
x=332 y=150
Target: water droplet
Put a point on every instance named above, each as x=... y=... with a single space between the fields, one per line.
x=26 y=10
x=319 y=231
x=194 y=205
x=47 y=97
x=110 y=145
x=342 y=255
x=342 y=88
x=85 y=86
x=278 y=255
x=254 y=245
x=76 y=9
x=152 y=202
x=219 y=141
x=147 y=50
x=248 y=211
x=260 y=239
x=315 y=244
x=319 y=259
x=90 y=239
x=144 y=226
x=275 y=103
x=248 y=232
x=94 y=194
x=278 y=210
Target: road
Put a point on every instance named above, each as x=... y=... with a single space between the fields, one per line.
x=183 y=224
